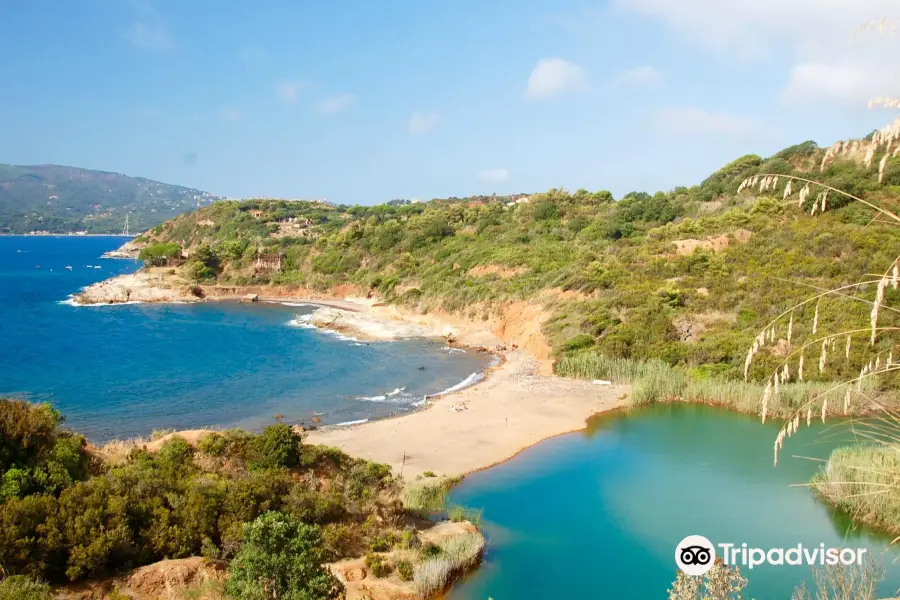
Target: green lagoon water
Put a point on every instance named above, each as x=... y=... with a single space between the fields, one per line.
x=597 y=514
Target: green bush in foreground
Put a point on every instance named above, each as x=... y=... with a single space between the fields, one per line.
x=176 y=502
x=281 y=558
x=19 y=587
x=405 y=570
x=378 y=565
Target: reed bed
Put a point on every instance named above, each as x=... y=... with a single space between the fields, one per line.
x=458 y=554
x=591 y=365
x=428 y=497
x=863 y=480
x=655 y=381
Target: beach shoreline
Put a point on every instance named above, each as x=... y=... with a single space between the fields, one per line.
x=511 y=409
x=517 y=404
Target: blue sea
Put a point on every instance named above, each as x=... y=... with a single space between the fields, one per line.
x=124 y=370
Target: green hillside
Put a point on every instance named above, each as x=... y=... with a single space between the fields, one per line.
x=688 y=276
x=64 y=199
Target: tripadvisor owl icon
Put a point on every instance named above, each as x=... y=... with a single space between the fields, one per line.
x=695 y=555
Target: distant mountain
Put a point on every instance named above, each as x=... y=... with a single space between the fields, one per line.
x=65 y=199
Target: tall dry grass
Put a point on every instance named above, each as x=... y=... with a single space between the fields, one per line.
x=428 y=497
x=116 y=452
x=854 y=478
x=458 y=554
x=865 y=479
x=655 y=381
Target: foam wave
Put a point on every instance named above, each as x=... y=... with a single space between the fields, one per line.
x=349 y=423
x=395 y=396
x=292 y=303
x=467 y=382
x=450 y=350
x=304 y=322
x=70 y=301
x=372 y=398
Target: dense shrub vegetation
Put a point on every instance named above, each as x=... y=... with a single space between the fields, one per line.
x=609 y=272
x=66 y=515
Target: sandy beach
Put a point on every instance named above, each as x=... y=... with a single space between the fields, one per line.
x=514 y=408
x=480 y=426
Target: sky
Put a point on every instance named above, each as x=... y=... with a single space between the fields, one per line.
x=363 y=102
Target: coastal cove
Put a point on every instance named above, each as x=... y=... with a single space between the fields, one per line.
x=583 y=498
x=123 y=371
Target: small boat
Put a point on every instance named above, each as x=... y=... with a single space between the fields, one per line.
x=96 y=266
x=69 y=267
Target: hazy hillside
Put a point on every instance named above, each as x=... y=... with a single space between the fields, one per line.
x=688 y=276
x=63 y=199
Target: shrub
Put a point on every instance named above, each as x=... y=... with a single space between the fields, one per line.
x=341 y=540
x=26 y=431
x=60 y=522
x=19 y=587
x=430 y=550
x=405 y=570
x=278 y=446
x=311 y=506
x=580 y=341
x=281 y=558
x=383 y=542
x=213 y=444
x=378 y=565
x=409 y=539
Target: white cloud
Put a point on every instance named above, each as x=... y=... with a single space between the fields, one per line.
x=335 y=104
x=642 y=75
x=696 y=121
x=496 y=175
x=815 y=36
x=290 y=90
x=553 y=77
x=750 y=27
x=149 y=33
x=845 y=81
x=423 y=122
x=231 y=114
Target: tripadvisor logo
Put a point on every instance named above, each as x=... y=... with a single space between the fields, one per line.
x=696 y=555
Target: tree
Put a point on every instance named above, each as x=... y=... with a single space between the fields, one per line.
x=278 y=446
x=157 y=255
x=281 y=559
